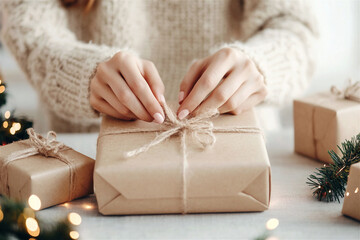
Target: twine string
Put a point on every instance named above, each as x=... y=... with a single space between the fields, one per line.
x=45 y=146
x=200 y=128
x=350 y=92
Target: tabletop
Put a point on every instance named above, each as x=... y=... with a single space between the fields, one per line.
x=300 y=215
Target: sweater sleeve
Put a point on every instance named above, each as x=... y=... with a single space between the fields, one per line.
x=57 y=64
x=280 y=37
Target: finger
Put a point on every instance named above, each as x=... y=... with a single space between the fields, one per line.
x=124 y=93
x=251 y=102
x=141 y=89
x=153 y=78
x=225 y=90
x=104 y=107
x=207 y=83
x=243 y=92
x=106 y=93
x=192 y=75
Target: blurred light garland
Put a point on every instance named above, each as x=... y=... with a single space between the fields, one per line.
x=11 y=128
x=18 y=221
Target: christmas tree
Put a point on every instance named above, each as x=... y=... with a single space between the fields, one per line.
x=12 y=128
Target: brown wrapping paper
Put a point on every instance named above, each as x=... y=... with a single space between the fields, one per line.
x=321 y=122
x=351 y=205
x=231 y=176
x=46 y=177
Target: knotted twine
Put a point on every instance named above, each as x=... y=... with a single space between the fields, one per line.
x=47 y=147
x=199 y=127
x=351 y=91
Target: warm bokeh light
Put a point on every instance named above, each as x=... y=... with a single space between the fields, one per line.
x=34 y=233
x=2 y=89
x=7 y=114
x=16 y=126
x=356 y=190
x=5 y=124
x=74 y=234
x=88 y=206
x=1 y=215
x=272 y=223
x=65 y=205
x=34 y=202
x=31 y=224
x=12 y=131
x=347 y=194
x=272 y=238
x=74 y=218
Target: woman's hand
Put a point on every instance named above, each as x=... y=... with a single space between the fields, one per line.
x=227 y=80
x=127 y=87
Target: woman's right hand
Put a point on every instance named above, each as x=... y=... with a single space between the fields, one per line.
x=127 y=87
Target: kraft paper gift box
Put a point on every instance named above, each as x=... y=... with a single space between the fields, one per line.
x=321 y=122
x=52 y=179
x=351 y=205
x=233 y=175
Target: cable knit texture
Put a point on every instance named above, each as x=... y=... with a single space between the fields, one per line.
x=59 y=48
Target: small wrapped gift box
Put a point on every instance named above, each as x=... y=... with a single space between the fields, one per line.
x=324 y=120
x=170 y=172
x=46 y=168
x=351 y=205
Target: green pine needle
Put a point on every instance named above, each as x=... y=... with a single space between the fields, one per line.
x=329 y=182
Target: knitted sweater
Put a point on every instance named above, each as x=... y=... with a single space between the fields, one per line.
x=59 y=48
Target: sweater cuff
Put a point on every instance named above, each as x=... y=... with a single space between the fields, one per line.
x=69 y=93
x=274 y=65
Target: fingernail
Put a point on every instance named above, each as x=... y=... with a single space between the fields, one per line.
x=183 y=114
x=181 y=96
x=162 y=99
x=158 y=118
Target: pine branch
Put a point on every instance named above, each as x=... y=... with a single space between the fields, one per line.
x=329 y=182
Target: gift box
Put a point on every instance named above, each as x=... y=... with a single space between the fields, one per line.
x=322 y=121
x=46 y=168
x=147 y=168
x=351 y=205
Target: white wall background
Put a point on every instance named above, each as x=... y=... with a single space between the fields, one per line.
x=339 y=45
x=338 y=59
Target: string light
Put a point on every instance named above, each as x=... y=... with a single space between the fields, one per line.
x=12 y=131
x=356 y=190
x=329 y=191
x=2 y=89
x=5 y=124
x=7 y=114
x=74 y=218
x=16 y=126
x=65 y=205
x=347 y=194
x=74 y=234
x=87 y=206
x=272 y=223
x=34 y=202
x=32 y=227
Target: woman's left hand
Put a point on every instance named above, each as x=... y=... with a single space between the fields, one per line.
x=227 y=80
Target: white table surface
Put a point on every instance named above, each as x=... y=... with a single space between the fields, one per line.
x=300 y=215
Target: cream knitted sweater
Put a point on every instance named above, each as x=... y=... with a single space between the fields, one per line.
x=59 y=48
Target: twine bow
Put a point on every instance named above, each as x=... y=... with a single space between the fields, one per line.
x=351 y=91
x=46 y=146
x=201 y=129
